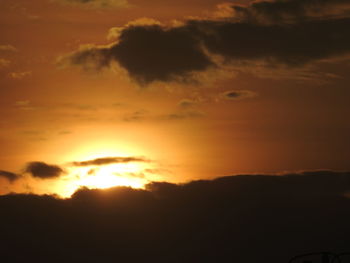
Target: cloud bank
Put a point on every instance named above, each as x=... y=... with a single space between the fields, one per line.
x=245 y=218
x=288 y=34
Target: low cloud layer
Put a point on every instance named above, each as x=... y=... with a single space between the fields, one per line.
x=43 y=170
x=245 y=218
x=272 y=34
x=109 y=160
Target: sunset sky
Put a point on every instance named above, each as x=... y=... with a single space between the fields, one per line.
x=102 y=93
x=176 y=131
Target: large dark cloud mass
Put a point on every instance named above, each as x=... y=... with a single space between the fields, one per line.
x=9 y=175
x=246 y=218
x=288 y=11
x=289 y=33
x=109 y=160
x=43 y=170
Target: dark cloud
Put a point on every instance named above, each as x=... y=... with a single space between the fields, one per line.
x=290 y=11
x=238 y=94
x=90 y=57
x=291 y=45
x=96 y=3
x=110 y=160
x=245 y=218
x=166 y=55
x=9 y=176
x=43 y=170
x=161 y=53
x=148 y=53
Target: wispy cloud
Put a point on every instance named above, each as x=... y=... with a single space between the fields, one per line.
x=109 y=160
x=8 y=48
x=99 y=4
x=20 y=75
x=238 y=94
x=9 y=176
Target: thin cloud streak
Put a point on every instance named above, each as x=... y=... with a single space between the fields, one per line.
x=11 y=177
x=109 y=160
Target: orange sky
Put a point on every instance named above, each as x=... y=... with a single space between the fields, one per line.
x=245 y=116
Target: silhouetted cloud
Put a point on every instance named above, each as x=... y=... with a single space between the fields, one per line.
x=43 y=170
x=244 y=218
x=290 y=11
x=9 y=175
x=238 y=94
x=96 y=3
x=175 y=53
x=170 y=54
x=110 y=160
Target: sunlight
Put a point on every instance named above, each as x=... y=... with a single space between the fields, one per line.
x=102 y=177
x=124 y=174
x=100 y=164
x=103 y=181
x=102 y=148
x=84 y=172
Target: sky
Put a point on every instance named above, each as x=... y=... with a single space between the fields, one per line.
x=103 y=93
x=174 y=131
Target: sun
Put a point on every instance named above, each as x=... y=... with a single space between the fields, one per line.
x=102 y=177
x=96 y=175
x=124 y=174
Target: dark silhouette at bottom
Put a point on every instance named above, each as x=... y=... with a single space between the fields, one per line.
x=321 y=257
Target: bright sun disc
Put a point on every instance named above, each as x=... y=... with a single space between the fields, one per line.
x=105 y=176
x=128 y=174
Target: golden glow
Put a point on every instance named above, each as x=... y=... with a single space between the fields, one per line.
x=135 y=174
x=109 y=180
x=100 y=148
x=123 y=174
x=102 y=177
x=130 y=174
